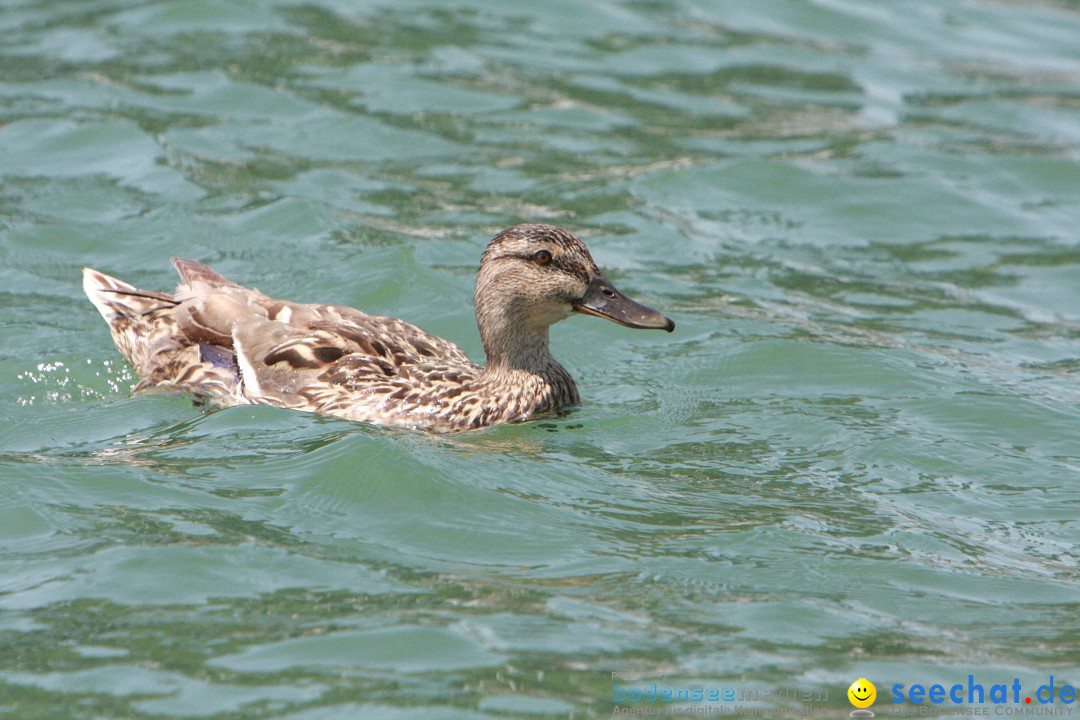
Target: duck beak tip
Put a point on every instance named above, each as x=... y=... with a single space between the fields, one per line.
x=603 y=300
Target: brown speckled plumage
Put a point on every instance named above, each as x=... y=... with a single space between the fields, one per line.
x=234 y=345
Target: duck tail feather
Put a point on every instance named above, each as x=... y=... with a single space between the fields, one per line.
x=141 y=322
x=116 y=299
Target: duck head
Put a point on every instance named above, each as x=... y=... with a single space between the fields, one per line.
x=532 y=276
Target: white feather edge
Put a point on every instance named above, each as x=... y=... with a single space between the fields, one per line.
x=248 y=378
x=94 y=283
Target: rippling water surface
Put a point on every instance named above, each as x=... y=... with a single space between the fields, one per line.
x=856 y=456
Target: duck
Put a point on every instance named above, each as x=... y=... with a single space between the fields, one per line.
x=227 y=344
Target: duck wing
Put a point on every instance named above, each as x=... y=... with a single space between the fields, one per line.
x=342 y=362
x=327 y=358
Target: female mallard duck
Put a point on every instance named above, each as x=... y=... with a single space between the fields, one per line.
x=236 y=346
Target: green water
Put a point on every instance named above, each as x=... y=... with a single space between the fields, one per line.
x=856 y=456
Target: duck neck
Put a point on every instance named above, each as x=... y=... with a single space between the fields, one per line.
x=511 y=344
x=520 y=363
x=514 y=330
x=516 y=344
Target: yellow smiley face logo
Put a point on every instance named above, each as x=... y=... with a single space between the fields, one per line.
x=862 y=693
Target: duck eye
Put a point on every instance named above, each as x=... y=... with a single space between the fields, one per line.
x=543 y=257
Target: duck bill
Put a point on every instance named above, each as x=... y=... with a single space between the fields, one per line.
x=603 y=300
